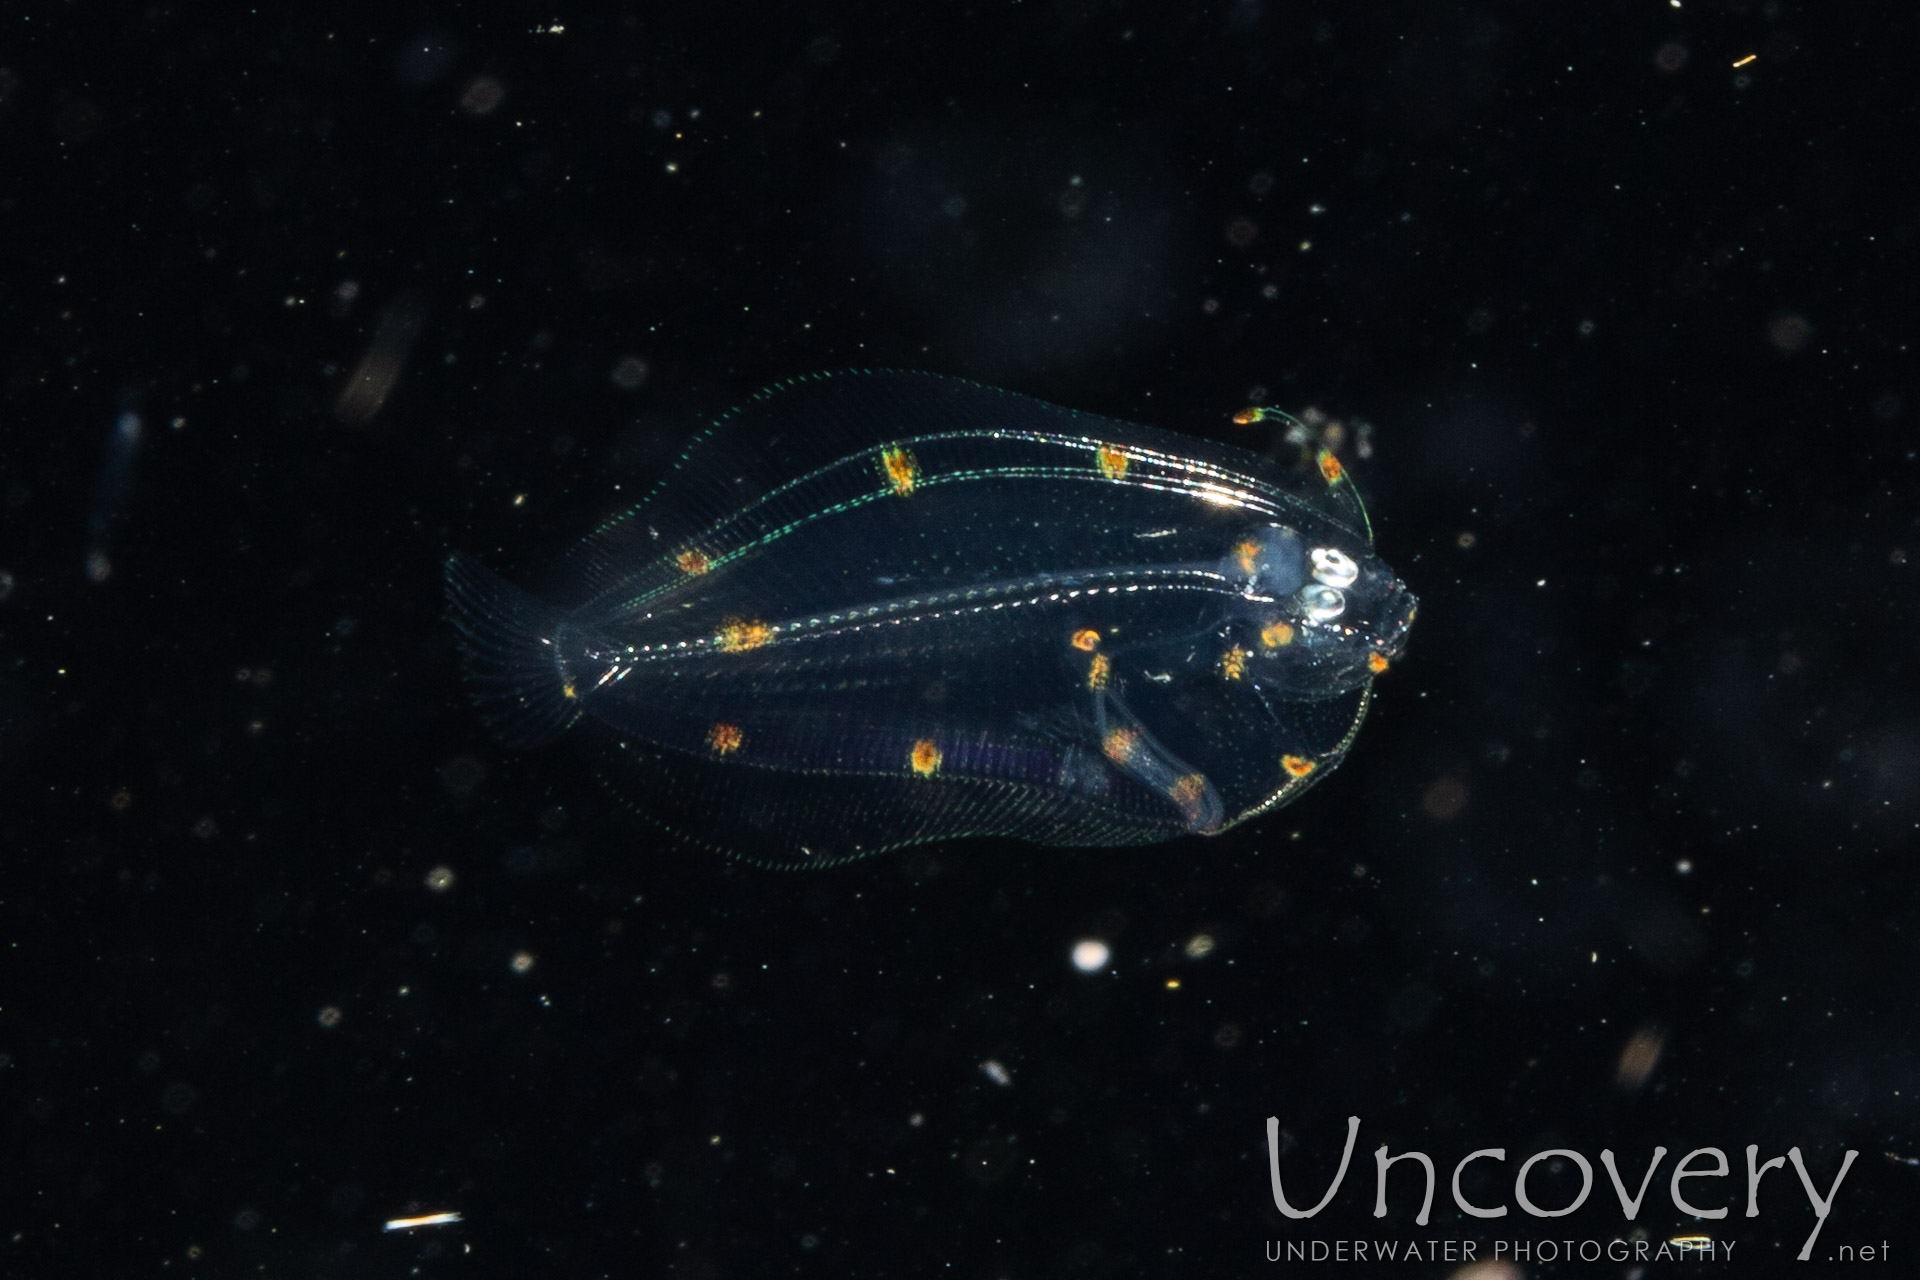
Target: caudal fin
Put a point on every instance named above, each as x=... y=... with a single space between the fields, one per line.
x=506 y=640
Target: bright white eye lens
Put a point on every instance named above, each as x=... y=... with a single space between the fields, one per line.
x=1333 y=567
x=1322 y=603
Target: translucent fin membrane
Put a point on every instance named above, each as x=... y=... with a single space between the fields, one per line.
x=512 y=666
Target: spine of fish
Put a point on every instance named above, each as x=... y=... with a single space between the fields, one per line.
x=509 y=642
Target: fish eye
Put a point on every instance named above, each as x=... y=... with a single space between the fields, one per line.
x=1322 y=603
x=1333 y=567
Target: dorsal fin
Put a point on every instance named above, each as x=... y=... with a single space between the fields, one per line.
x=790 y=430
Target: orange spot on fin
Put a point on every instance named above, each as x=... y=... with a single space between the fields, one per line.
x=901 y=469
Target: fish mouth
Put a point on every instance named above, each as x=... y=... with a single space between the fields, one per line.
x=1395 y=621
x=1381 y=642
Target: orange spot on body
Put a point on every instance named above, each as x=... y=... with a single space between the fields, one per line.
x=737 y=636
x=1086 y=639
x=901 y=469
x=1276 y=635
x=1190 y=793
x=1233 y=663
x=1297 y=766
x=1113 y=461
x=1119 y=744
x=1247 y=556
x=926 y=758
x=1377 y=662
x=724 y=738
x=1330 y=467
x=1099 y=672
x=693 y=562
